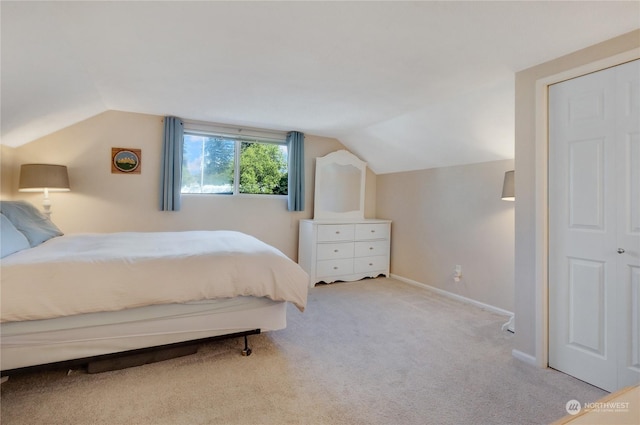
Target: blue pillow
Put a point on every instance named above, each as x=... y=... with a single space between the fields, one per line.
x=11 y=239
x=32 y=223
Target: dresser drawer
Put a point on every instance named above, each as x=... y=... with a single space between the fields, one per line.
x=330 y=251
x=369 y=264
x=370 y=248
x=366 y=231
x=335 y=232
x=335 y=267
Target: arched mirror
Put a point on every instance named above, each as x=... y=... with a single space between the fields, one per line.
x=340 y=186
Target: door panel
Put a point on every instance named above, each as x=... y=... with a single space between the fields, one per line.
x=629 y=338
x=633 y=167
x=586 y=311
x=586 y=174
x=634 y=308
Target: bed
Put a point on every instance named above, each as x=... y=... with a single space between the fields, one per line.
x=78 y=296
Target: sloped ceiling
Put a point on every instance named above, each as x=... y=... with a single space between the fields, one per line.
x=405 y=85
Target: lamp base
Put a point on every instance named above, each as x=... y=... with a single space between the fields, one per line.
x=46 y=204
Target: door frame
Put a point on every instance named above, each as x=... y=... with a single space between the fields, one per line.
x=541 y=196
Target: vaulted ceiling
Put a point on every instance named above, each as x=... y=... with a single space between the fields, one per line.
x=404 y=85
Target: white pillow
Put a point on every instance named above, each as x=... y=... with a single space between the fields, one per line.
x=10 y=238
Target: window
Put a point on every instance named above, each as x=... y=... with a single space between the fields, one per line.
x=222 y=164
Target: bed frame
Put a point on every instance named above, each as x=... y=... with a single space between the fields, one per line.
x=115 y=340
x=138 y=357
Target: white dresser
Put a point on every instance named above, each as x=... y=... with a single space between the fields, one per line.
x=339 y=243
x=347 y=250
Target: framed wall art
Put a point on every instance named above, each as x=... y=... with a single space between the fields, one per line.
x=126 y=160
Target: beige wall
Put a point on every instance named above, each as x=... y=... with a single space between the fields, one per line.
x=100 y=201
x=7 y=167
x=448 y=216
x=529 y=220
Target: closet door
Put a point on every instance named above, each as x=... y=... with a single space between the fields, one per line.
x=628 y=222
x=593 y=256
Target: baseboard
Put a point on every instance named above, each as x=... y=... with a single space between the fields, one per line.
x=461 y=298
x=527 y=358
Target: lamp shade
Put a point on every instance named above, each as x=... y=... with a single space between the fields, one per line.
x=42 y=177
x=508 y=187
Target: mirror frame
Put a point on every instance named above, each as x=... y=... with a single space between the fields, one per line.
x=323 y=164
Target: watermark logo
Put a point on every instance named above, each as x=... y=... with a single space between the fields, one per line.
x=573 y=407
x=608 y=406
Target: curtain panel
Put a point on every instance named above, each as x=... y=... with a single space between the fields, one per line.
x=171 y=167
x=295 y=149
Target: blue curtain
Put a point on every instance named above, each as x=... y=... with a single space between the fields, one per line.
x=295 y=149
x=171 y=169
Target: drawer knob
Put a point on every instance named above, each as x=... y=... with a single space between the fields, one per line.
x=373 y=231
x=335 y=250
x=370 y=248
x=335 y=267
x=371 y=264
x=337 y=232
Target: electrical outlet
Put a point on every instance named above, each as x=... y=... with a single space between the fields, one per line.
x=457 y=273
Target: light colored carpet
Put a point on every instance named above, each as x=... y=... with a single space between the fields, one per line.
x=369 y=352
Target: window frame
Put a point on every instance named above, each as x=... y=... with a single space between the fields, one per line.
x=238 y=136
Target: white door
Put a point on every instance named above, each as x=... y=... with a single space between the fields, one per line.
x=594 y=227
x=628 y=223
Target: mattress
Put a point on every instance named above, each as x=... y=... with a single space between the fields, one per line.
x=37 y=342
x=88 y=273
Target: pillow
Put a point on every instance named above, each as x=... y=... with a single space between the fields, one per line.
x=32 y=223
x=11 y=239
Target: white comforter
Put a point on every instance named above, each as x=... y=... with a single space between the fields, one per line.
x=87 y=273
